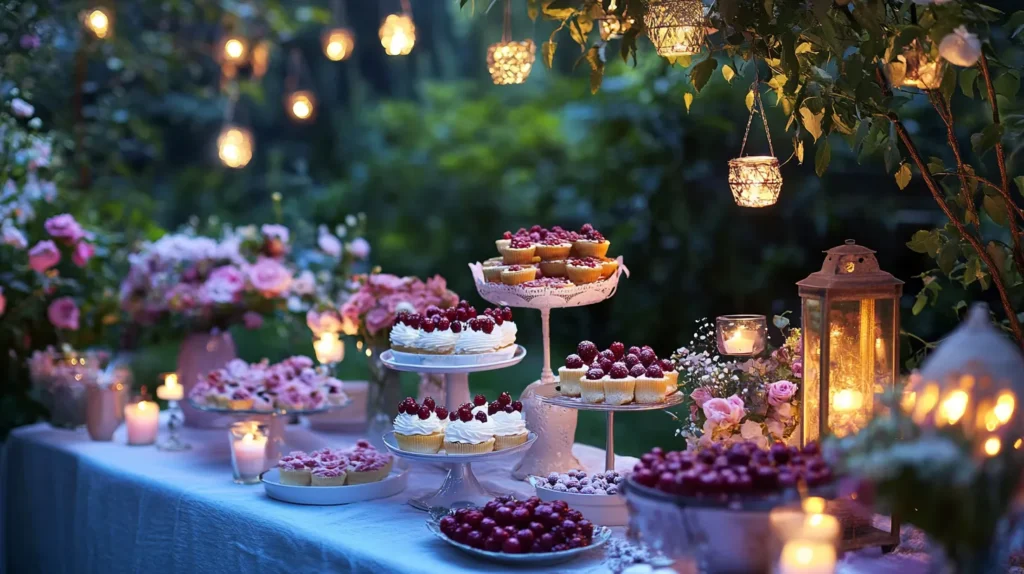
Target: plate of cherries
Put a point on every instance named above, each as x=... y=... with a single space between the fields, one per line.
x=514 y=531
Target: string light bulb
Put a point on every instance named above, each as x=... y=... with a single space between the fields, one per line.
x=301 y=105
x=97 y=21
x=235 y=50
x=338 y=44
x=234 y=146
x=398 y=34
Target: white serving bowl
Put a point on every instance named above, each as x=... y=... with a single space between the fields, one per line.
x=605 y=509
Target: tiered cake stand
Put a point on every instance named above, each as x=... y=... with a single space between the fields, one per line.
x=277 y=421
x=460 y=486
x=555 y=424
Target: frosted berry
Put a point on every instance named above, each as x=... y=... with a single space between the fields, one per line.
x=428 y=327
x=618 y=349
x=456 y=327
x=481 y=416
x=655 y=372
x=487 y=327
x=638 y=370
x=465 y=416
x=647 y=357
x=429 y=403
x=573 y=362
x=505 y=399
x=443 y=324
x=634 y=350
x=631 y=360
x=618 y=371
x=587 y=350
x=605 y=363
x=595 y=374
x=517 y=405
x=479 y=400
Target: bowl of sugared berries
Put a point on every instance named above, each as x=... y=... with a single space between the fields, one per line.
x=513 y=530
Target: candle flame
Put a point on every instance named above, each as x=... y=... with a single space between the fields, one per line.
x=1004 y=407
x=814 y=505
x=954 y=406
x=171 y=380
x=98 y=22
x=993 y=445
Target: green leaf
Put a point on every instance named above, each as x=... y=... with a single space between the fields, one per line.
x=1019 y=180
x=972 y=272
x=987 y=138
x=812 y=122
x=1007 y=85
x=798 y=150
x=925 y=241
x=995 y=207
x=688 y=100
x=749 y=100
x=1016 y=24
x=948 y=83
x=728 y=73
x=999 y=257
x=903 y=176
x=701 y=72
x=547 y=51
x=935 y=165
x=919 y=302
x=947 y=256
x=822 y=157
x=967 y=79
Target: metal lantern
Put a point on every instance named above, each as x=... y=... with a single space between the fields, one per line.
x=973 y=380
x=676 y=27
x=398 y=34
x=234 y=146
x=915 y=67
x=511 y=62
x=755 y=181
x=338 y=44
x=851 y=326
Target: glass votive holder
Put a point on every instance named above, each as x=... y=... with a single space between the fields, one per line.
x=807 y=557
x=142 y=422
x=248 y=451
x=741 y=335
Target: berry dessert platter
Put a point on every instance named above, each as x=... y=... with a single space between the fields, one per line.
x=719 y=499
x=270 y=393
x=547 y=269
x=334 y=476
x=455 y=439
x=616 y=379
x=529 y=532
x=454 y=342
x=598 y=497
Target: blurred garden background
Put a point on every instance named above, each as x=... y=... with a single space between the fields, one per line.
x=441 y=162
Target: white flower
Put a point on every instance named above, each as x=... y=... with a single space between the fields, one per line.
x=21 y=108
x=350 y=220
x=961 y=48
x=304 y=284
x=35 y=123
x=328 y=243
x=14 y=237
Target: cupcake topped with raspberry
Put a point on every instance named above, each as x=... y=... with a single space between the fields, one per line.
x=569 y=375
x=468 y=432
x=420 y=428
x=436 y=336
x=405 y=332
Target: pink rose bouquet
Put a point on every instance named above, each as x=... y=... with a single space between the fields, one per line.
x=373 y=307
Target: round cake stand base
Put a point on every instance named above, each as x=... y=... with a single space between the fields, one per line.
x=459 y=489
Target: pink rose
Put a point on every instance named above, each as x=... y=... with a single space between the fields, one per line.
x=252 y=320
x=359 y=248
x=798 y=368
x=83 y=253
x=700 y=395
x=386 y=281
x=3 y=302
x=43 y=256
x=378 y=319
x=326 y=322
x=270 y=277
x=64 y=228
x=780 y=392
x=736 y=402
x=724 y=412
x=181 y=297
x=63 y=313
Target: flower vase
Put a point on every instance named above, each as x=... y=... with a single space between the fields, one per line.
x=199 y=354
x=385 y=393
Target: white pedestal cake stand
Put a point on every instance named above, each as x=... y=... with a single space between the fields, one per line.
x=548 y=395
x=460 y=487
x=277 y=421
x=556 y=425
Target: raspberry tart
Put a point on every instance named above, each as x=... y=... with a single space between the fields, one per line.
x=295 y=469
x=583 y=270
x=569 y=376
x=590 y=243
x=554 y=268
x=592 y=385
x=619 y=385
x=468 y=432
x=367 y=464
x=608 y=267
x=333 y=475
x=650 y=386
x=509 y=423
x=420 y=428
x=519 y=251
x=553 y=247
x=517 y=274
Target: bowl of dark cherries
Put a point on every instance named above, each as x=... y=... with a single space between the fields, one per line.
x=527 y=531
x=719 y=499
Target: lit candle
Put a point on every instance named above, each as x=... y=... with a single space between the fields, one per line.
x=142 y=420
x=741 y=342
x=847 y=400
x=329 y=348
x=807 y=557
x=248 y=451
x=170 y=390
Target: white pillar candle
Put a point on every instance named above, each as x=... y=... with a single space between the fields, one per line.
x=248 y=455
x=807 y=557
x=741 y=342
x=142 y=420
x=170 y=390
x=329 y=348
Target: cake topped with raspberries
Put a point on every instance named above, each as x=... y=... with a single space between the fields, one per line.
x=457 y=330
x=537 y=253
x=519 y=526
x=616 y=375
x=737 y=470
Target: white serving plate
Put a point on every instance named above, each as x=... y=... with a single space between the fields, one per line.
x=609 y=509
x=391 y=361
x=601 y=535
x=333 y=495
x=404 y=358
x=442 y=456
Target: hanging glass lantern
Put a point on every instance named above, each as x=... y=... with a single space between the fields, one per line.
x=511 y=62
x=398 y=34
x=851 y=326
x=915 y=67
x=676 y=27
x=301 y=105
x=755 y=181
x=234 y=146
x=338 y=44
x=97 y=21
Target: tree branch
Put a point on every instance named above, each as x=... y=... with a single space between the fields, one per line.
x=1004 y=190
x=975 y=242
x=942 y=107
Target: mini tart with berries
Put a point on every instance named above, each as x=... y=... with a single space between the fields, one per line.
x=671 y=376
x=590 y=243
x=517 y=274
x=650 y=387
x=493 y=273
x=553 y=268
x=326 y=476
x=619 y=385
x=492 y=262
x=569 y=376
x=504 y=242
x=509 y=423
x=519 y=251
x=241 y=400
x=582 y=270
x=553 y=248
x=592 y=385
x=436 y=336
x=608 y=267
x=367 y=464
x=468 y=433
x=296 y=469
x=420 y=428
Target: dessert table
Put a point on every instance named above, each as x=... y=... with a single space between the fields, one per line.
x=69 y=504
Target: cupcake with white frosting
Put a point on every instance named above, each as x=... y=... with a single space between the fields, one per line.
x=480 y=335
x=405 y=332
x=468 y=433
x=420 y=428
x=509 y=423
x=436 y=336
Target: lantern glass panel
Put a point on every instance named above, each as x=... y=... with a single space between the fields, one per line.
x=812 y=317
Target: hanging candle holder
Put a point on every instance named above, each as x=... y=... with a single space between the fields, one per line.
x=398 y=32
x=510 y=62
x=298 y=103
x=915 y=67
x=676 y=27
x=234 y=146
x=338 y=44
x=755 y=181
x=612 y=26
x=98 y=20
